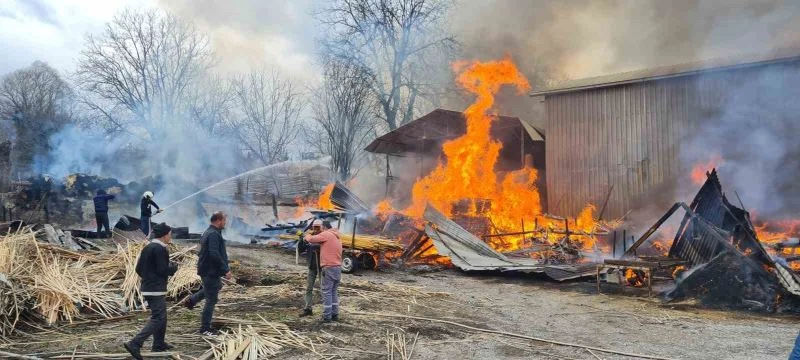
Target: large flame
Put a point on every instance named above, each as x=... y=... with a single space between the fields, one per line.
x=324 y=202
x=467 y=175
x=468 y=171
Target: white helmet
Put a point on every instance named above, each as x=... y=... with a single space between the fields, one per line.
x=147 y=195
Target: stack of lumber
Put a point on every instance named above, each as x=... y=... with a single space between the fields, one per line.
x=362 y=242
x=55 y=284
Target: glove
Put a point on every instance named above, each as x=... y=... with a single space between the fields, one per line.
x=299 y=233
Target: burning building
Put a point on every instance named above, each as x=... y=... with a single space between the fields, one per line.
x=418 y=144
x=635 y=135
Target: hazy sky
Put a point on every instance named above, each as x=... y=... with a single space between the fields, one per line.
x=547 y=38
x=245 y=33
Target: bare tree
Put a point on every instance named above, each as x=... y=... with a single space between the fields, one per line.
x=39 y=103
x=344 y=109
x=267 y=118
x=144 y=62
x=210 y=105
x=395 y=42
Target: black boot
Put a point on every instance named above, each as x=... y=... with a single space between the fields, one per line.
x=162 y=348
x=134 y=350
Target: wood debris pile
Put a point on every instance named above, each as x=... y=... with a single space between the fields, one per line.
x=49 y=283
x=362 y=242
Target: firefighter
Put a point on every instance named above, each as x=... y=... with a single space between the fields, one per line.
x=147 y=212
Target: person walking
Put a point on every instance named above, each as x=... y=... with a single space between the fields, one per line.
x=312 y=257
x=330 y=254
x=212 y=265
x=154 y=268
x=101 y=200
x=147 y=211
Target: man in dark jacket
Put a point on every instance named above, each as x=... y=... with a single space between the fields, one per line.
x=101 y=212
x=212 y=264
x=147 y=212
x=154 y=268
x=312 y=257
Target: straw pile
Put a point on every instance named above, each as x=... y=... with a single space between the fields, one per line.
x=256 y=339
x=362 y=242
x=55 y=284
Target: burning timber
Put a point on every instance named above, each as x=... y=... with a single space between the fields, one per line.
x=725 y=264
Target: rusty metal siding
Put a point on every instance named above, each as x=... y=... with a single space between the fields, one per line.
x=623 y=136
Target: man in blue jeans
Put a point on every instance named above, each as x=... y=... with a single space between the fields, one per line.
x=212 y=265
x=795 y=355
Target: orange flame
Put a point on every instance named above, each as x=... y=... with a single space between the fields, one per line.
x=468 y=176
x=383 y=209
x=699 y=169
x=634 y=278
x=678 y=271
x=324 y=202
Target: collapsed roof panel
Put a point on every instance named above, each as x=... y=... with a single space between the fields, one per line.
x=469 y=253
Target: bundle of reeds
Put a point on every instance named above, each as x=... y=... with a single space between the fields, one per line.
x=185 y=279
x=61 y=284
x=256 y=339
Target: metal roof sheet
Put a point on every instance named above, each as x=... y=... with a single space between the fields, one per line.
x=686 y=69
x=437 y=126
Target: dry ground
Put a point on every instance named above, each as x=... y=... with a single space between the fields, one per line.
x=570 y=312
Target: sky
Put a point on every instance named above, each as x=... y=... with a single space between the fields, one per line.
x=550 y=40
x=562 y=39
x=248 y=34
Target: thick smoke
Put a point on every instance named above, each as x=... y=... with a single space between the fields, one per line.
x=552 y=40
x=753 y=128
x=173 y=164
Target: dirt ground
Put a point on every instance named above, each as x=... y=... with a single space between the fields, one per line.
x=568 y=312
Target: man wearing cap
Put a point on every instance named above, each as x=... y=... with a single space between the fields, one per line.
x=330 y=254
x=154 y=268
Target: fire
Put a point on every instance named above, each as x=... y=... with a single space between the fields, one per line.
x=468 y=172
x=383 y=209
x=777 y=231
x=634 y=278
x=324 y=201
x=779 y=234
x=678 y=271
x=699 y=169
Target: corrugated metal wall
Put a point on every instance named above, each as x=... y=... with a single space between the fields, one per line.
x=623 y=136
x=629 y=135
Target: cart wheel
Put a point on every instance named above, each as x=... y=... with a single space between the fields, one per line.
x=367 y=261
x=348 y=263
